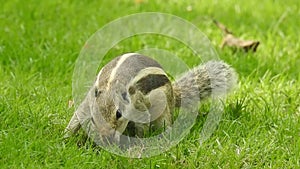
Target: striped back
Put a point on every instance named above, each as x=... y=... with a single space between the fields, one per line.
x=129 y=70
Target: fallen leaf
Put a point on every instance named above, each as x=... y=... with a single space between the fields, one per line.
x=230 y=40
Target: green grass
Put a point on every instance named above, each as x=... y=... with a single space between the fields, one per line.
x=39 y=44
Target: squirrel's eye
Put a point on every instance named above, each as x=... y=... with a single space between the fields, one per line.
x=118 y=114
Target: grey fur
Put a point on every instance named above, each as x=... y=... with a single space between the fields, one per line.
x=213 y=79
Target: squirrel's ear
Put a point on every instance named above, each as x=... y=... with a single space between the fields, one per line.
x=120 y=96
x=125 y=97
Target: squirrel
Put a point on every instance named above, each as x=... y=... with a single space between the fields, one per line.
x=133 y=93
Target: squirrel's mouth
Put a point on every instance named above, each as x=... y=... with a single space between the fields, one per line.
x=107 y=135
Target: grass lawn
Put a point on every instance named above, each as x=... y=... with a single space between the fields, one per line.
x=39 y=44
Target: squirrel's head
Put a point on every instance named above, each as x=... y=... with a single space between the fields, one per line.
x=107 y=115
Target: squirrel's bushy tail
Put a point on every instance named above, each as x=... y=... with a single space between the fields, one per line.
x=213 y=79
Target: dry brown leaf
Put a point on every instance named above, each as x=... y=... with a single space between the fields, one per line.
x=232 y=41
